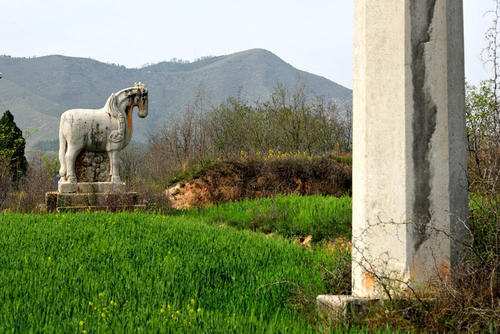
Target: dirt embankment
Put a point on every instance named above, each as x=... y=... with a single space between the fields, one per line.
x=249 y=178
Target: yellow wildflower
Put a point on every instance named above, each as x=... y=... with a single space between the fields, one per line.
x=169 y=307
x=49 y=259
x=162 y=310
x=199 y=309
x=101 y=294
x=84 y=332
x=90 y=303
x=81 y=322
x=103 y=315
x=193 y=301
x=178 y=312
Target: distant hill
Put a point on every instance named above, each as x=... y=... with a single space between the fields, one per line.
x=37 y=90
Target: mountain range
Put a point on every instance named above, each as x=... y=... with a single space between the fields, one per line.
x=38 y=90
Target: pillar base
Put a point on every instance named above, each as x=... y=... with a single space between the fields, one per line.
x=341 y=307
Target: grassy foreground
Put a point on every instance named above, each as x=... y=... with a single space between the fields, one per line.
x=136 y=272
x=322 y=217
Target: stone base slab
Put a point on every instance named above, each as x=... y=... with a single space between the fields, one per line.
x=340 y=307
x=91 y=187
x=57 y=201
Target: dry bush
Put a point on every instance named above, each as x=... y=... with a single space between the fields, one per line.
x=29 y=195
x=467 y=301
x=40 y=178
x=288 y=122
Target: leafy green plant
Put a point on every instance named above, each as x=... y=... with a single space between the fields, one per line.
x=483 y=138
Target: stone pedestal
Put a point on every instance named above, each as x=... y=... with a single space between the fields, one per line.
x=93 y=191
x=409 y=144
x=343 y=306
x=57 y=201
x=91 y=187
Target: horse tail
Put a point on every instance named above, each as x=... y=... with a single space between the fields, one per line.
x=62 y=149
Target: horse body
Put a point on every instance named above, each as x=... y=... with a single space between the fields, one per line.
x=108 y=129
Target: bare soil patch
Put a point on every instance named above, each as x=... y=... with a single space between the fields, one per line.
x=254 y=178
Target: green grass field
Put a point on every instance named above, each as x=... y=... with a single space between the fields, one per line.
x=323 y=217
x=138 y=272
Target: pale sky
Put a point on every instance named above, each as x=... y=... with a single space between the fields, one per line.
x=312 y=35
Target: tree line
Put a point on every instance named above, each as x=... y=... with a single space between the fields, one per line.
x=289 y=121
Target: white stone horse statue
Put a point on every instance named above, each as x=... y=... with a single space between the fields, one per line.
x=108 y=129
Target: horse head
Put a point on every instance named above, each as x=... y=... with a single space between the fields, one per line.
x=142 y=99
x=131 y=97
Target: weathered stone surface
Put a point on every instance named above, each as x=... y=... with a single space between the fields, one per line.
x=341 y=307
x=93 y=167
x=409 y=159
x=92 y=201
x=98 y=133
x=89 y=143
x=92 y=187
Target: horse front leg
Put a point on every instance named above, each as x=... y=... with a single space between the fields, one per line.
x=114 y=160
x=71 y=155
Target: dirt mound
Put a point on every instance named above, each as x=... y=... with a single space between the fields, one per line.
x=253 y=178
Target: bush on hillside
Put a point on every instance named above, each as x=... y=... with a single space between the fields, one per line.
x=288 y=122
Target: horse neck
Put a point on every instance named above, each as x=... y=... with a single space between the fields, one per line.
x=126 y=107
x=128 y=129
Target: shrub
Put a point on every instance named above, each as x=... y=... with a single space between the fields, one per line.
x=12 y=146
x=287 y=122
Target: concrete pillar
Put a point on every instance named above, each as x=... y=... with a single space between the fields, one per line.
x=409 y=158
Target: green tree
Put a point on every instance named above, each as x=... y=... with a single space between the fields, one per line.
x=12 y=146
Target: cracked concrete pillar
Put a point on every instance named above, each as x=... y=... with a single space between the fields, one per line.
x=409 y=172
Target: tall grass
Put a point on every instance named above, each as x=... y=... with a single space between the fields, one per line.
x=323 y=217
x=134 y=272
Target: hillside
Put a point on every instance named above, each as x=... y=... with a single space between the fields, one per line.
x=232 y=181
x=37 y=90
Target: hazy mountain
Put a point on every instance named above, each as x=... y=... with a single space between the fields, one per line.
x=37 y=90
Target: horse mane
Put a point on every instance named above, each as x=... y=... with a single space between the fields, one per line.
x=112 y=108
